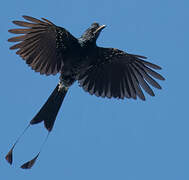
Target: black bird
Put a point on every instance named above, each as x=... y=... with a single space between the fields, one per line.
x=105 y=72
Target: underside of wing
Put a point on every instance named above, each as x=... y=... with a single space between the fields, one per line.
x=118 y=74
x=42 y=44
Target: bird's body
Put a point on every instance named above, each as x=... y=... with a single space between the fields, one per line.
x=104 y=72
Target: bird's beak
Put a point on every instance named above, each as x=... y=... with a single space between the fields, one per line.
x=100 y=28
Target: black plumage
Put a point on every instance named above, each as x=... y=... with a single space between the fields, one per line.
x=104 y=72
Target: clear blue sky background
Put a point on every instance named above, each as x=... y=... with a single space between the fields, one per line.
x=95 y=138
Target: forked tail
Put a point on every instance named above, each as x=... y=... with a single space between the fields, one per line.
x=48 y=114
x=50 y=109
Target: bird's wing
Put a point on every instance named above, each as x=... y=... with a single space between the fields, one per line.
x=118 y=74
x=43 y=45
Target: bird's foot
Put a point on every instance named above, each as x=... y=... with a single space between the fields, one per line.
x=62 y=86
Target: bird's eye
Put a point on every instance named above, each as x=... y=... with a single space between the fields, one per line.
x=95 y=25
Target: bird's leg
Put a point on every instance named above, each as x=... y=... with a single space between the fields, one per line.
x=65 y=82
x=62 y=85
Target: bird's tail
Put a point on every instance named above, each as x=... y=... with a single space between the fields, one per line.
x=48 y=114
x=50 y=109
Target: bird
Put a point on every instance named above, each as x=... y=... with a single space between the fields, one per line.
x=104 y=72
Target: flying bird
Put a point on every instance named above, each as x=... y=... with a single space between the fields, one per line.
x=103 y=72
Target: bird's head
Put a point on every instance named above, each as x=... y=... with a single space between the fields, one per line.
x=92 y=33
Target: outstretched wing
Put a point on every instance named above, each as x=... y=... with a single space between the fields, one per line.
x=43 y=45
x=118 y=74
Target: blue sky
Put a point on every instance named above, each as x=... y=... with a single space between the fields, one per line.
x=95 y=138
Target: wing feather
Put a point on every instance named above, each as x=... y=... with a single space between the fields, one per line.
x=120 y=75
x=42 y=45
